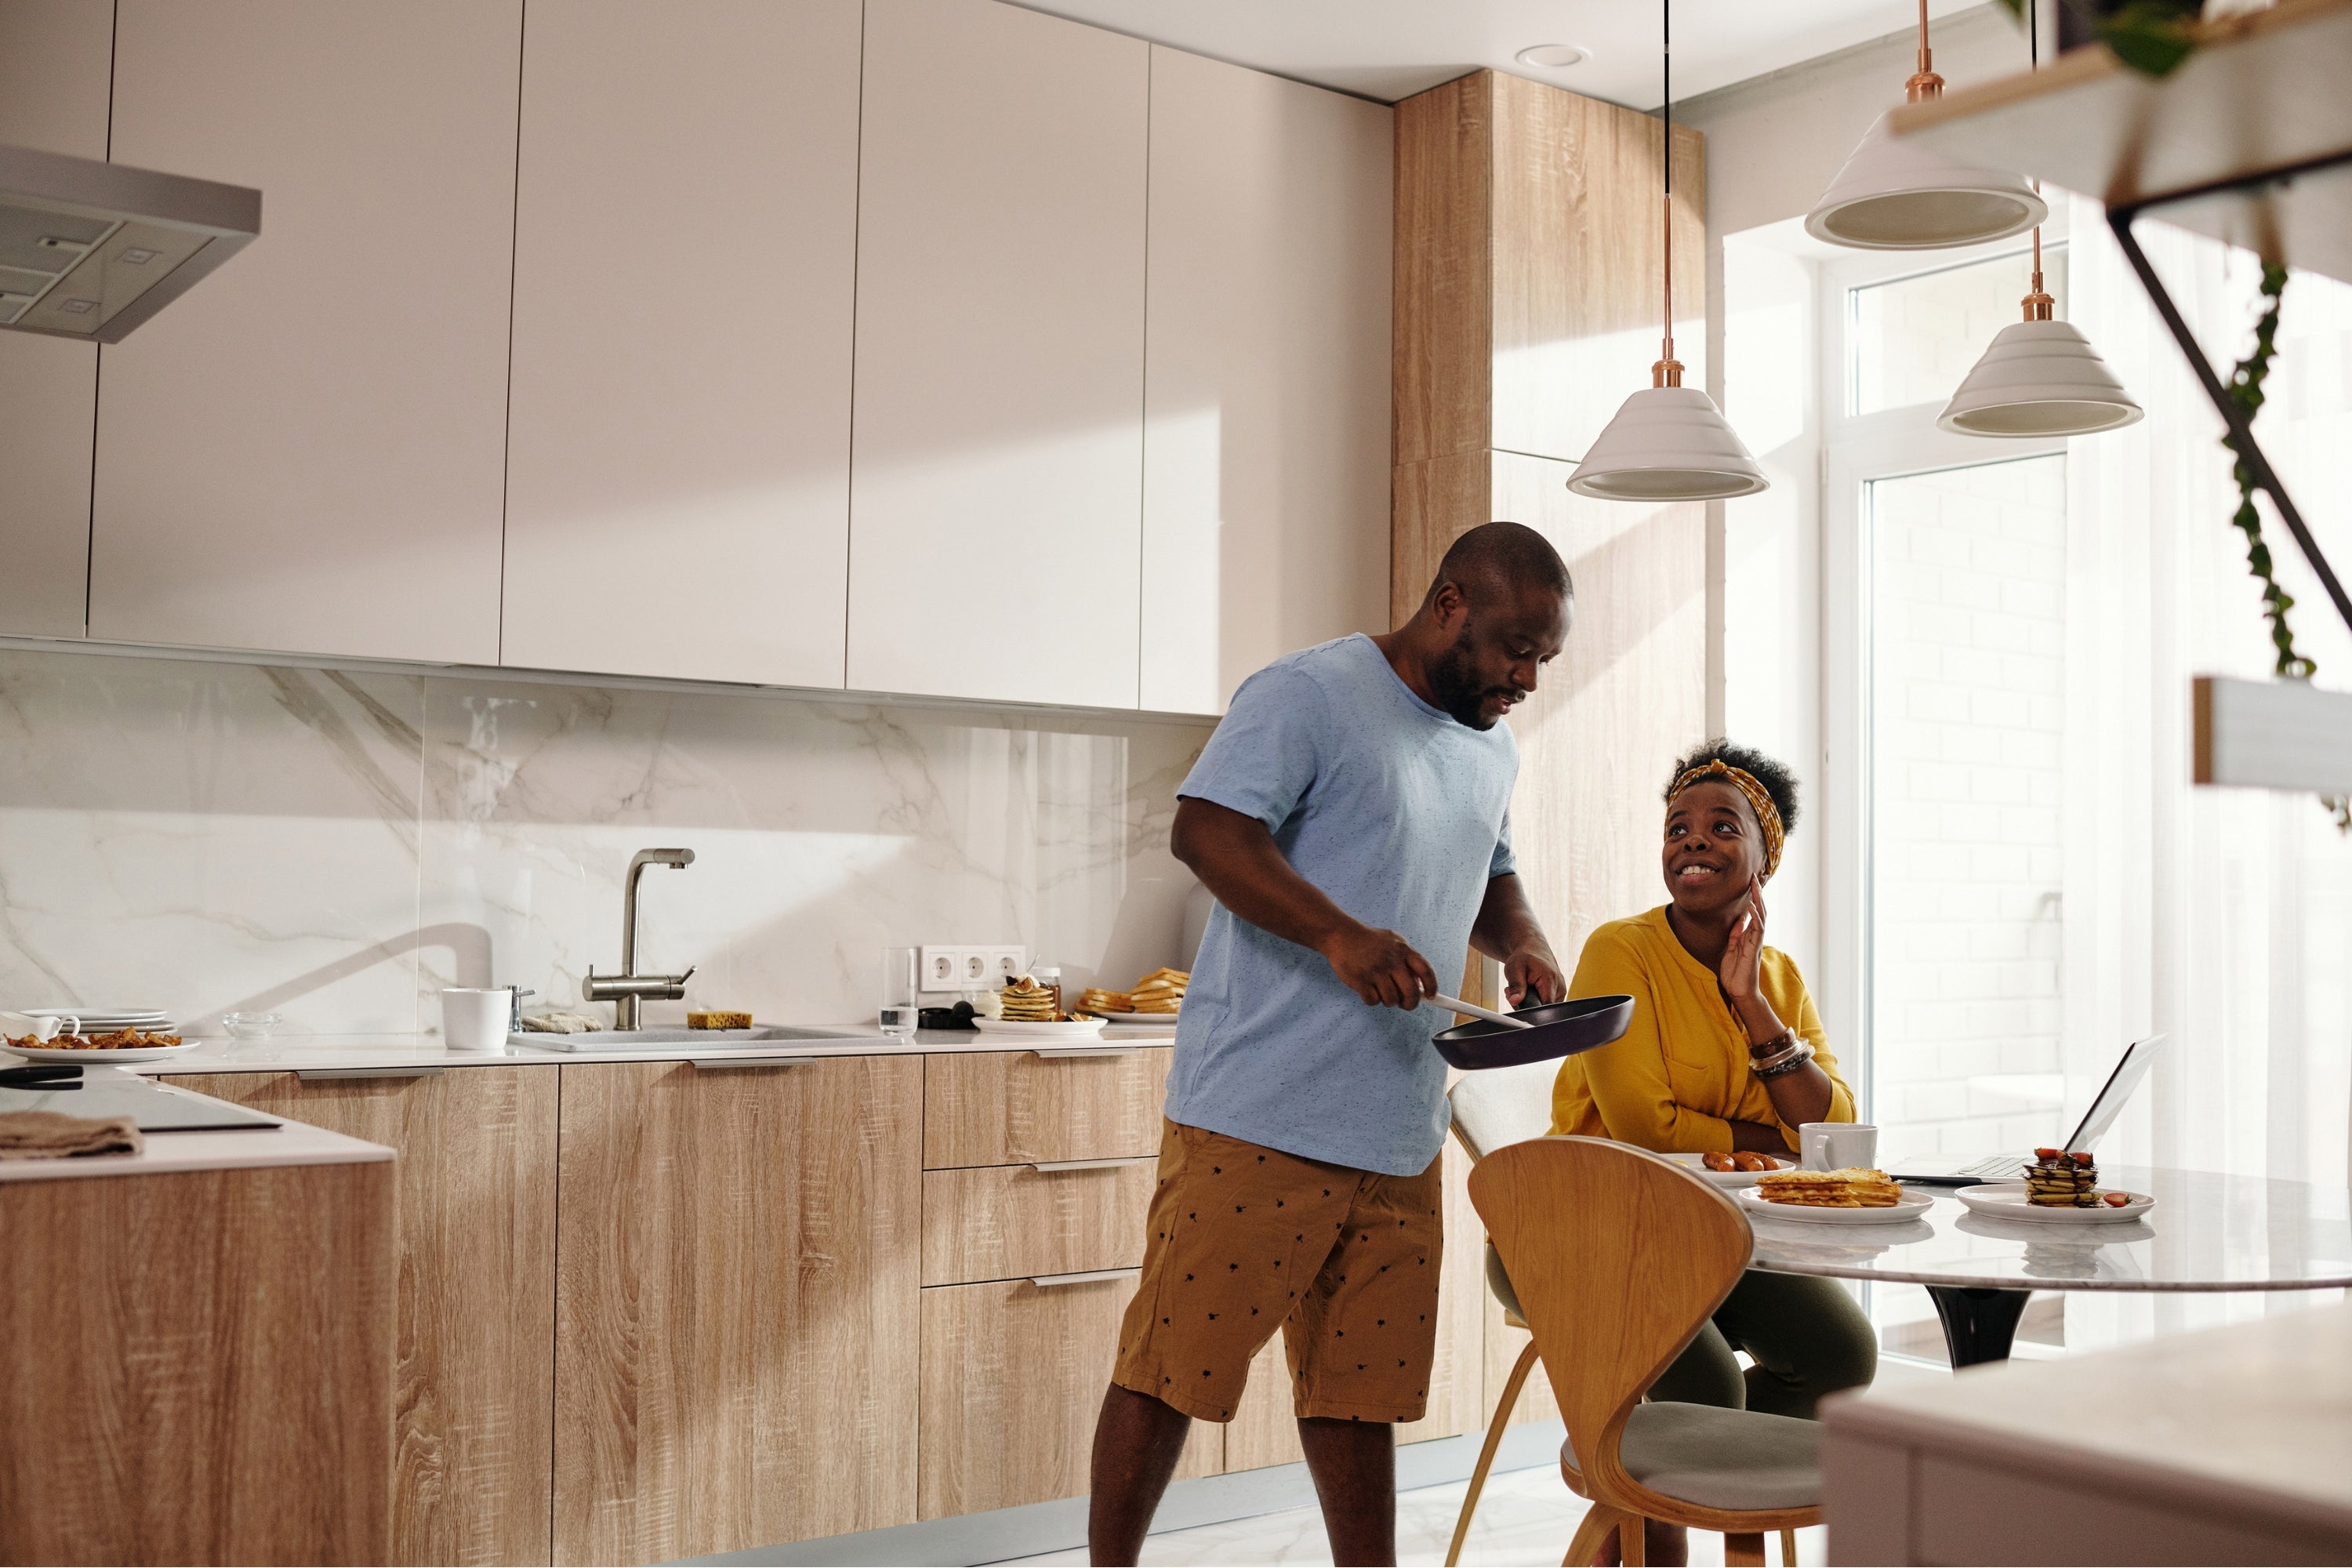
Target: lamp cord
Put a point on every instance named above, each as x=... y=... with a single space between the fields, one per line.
x=1668 y=371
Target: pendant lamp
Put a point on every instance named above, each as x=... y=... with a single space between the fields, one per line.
x=1668 y=442
x=1898 y=195
x=2040 y=377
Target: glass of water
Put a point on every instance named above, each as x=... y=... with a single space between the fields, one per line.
x=899 y=1010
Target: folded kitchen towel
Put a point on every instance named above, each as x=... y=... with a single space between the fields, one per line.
x=563 y=1023
x=51 y=1135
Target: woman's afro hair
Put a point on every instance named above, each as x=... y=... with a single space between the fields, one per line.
x=1777 y=781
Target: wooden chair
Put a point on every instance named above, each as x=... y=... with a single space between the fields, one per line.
x=1617 y=1258
x=1493 y=1109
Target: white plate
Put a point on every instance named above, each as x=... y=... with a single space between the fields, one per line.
x=100 y=1057
x=1079 y=1030
x=1138 y=1017
x=128 y=1014
x=1909 y=1206
x=1696 y=1165
x=2006 y=1200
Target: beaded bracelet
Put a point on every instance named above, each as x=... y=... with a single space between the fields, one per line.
x=1783 y=1062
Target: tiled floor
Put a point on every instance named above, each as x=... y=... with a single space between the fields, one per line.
x=1527 y=1516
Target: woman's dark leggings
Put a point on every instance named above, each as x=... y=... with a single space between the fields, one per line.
x=1806 y=1336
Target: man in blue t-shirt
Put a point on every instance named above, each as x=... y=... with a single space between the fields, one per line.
x=1352 y=814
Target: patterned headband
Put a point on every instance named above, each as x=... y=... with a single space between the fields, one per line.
x=1768 y=815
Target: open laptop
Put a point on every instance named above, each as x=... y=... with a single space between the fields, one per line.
x=2129 y=1070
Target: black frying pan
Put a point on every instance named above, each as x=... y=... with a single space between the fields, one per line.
x=1553 y=1029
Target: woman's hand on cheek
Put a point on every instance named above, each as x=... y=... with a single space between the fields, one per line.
x=1743 y=955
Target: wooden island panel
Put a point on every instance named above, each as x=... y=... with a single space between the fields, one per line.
x=473 y=1378
x=206 y=1367
x=736 y=1305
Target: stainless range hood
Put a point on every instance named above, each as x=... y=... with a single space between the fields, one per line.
x=91 y=250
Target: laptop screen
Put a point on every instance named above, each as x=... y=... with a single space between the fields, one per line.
x=2137 y=1059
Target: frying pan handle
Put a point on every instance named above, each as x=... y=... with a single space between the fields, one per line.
x=1455 y=1005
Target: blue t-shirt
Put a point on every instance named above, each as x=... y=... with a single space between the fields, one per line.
x=1400 y=815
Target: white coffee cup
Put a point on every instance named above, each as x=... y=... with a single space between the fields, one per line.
x=476 y=1020
x=1836 y=1145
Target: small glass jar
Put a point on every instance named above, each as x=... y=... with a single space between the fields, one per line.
x=900 y=1011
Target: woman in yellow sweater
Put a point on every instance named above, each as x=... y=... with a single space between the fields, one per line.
x=1724 y=1052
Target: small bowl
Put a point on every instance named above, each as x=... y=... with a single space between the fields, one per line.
x=250 y=1026
x=1558 y=1029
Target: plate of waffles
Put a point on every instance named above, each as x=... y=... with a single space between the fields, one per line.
x=1074 y=1025
x=1854 y=1195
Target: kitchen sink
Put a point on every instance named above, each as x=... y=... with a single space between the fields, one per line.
x=637 y=1039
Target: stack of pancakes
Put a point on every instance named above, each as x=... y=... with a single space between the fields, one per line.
x=2058 y=1180
x=1026 y=1001
x=1096 y=1000
x=1161 y=991
x=1854 y=1187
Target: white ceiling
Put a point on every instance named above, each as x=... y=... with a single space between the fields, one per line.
x=1388 y=49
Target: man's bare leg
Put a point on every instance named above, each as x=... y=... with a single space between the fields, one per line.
x=1138 y=1441
x=1354 y=1467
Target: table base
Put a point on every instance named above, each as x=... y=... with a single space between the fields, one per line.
x=1979 y=1324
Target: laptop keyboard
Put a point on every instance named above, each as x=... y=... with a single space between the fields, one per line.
x=1997 y=1168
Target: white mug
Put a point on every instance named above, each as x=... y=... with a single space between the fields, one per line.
x=1836 y=1145
x=476 y=1020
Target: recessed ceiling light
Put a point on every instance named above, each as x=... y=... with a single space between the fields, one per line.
x=1553 y=57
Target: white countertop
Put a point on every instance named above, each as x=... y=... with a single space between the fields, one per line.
x=296 y=1053
x=2259 y=1407
x=226 y=1149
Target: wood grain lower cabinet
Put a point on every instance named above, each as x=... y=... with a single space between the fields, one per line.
x=1014 y=1374
x=737 y=1311
x=1001 y=1107
x=472 y=1383
x=1003 y=1221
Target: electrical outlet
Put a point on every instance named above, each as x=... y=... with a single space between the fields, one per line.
x=942 y=968
x=976 y=970
x=1006 y=963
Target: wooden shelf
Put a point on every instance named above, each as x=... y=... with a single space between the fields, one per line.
x=2273 y=734
x=2265 y=91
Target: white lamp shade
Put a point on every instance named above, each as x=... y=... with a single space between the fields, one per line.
x=2039 y=378
x=1898 y=195
x=1667 y=444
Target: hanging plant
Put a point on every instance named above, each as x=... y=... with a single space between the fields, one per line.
x=2152 y=36
x=2246 y=391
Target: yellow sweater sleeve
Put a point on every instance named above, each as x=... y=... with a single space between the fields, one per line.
x=1627 y=1077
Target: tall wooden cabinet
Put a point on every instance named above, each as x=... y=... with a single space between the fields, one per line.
x=476 y=1292
x=686 y=242
x=56 y=59
x=736 y=1323
x=995 y=513
x=309 y=451
x=1266 y=435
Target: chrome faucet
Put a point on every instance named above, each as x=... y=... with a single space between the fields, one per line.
x=625 y=990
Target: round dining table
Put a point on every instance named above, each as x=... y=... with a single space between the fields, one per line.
x=2206 y=1231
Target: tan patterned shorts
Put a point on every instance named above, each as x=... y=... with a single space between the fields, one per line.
x=1244 y=1237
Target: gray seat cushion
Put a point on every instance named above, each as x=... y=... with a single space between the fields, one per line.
x=1500 y=1283
x=1723 y=1458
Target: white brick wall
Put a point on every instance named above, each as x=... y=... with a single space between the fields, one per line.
x=1968 y=613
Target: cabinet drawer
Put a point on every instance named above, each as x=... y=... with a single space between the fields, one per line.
x=1013 y=1376
x=1009 y=1108
x=996 y=1222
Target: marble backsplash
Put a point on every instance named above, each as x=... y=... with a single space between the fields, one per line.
x=336 y=847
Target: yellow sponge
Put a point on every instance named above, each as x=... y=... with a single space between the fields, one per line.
x=719 y=1020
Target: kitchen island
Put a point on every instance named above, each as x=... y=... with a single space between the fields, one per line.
x=199 y=1361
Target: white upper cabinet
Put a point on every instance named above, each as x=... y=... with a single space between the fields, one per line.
x=686 y=245
x=307 y=453
x=55 y=55
x=1266 y=494
x=996 y=474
